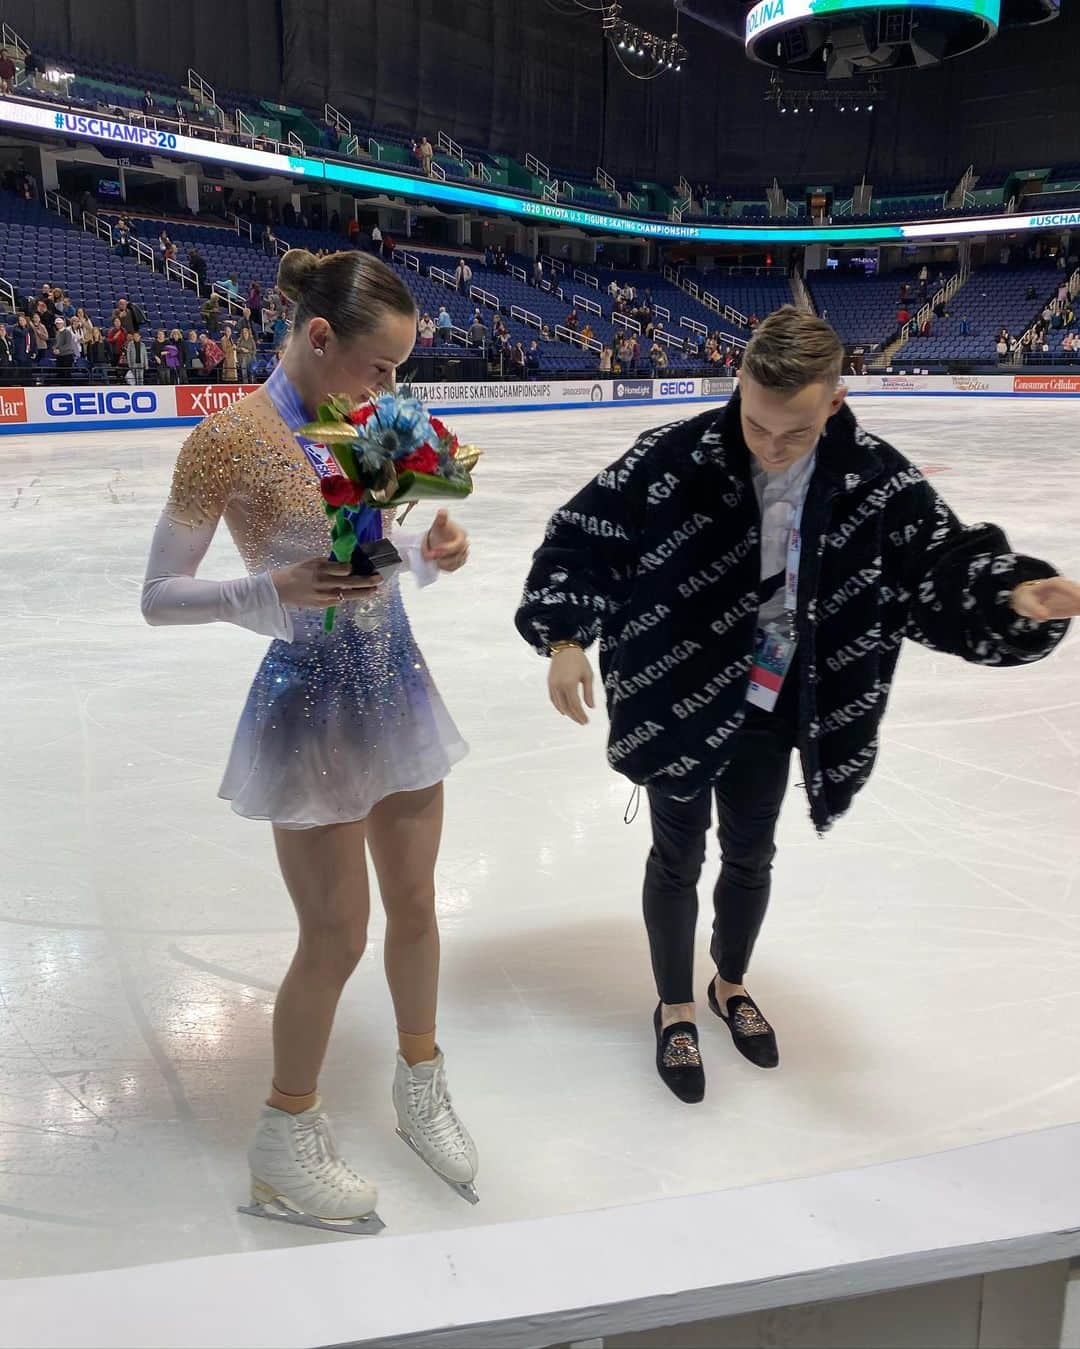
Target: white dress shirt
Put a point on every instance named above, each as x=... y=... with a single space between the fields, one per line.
x=778 y=496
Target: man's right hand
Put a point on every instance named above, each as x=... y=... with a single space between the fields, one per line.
x=319 y=584
x=569 y=676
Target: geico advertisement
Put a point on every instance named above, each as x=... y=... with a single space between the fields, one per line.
x=126 y=402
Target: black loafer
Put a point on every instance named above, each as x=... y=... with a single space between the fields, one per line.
x=753 y=1037
x=678 y=1059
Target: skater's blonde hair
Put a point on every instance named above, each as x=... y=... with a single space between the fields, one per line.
x=791 y=350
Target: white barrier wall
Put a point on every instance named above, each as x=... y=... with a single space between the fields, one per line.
x=124 y=406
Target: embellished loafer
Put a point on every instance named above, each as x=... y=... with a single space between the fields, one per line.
x=752 y=1035
x=678 y=1059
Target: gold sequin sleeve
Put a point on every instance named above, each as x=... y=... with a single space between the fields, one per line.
x=208 y=472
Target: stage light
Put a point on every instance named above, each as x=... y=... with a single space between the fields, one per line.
x=856 y=107
x=869 y=107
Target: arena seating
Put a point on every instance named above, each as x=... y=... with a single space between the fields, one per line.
x=992 y=298
x=862 y=308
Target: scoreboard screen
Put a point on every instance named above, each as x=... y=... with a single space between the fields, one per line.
x=769 y=14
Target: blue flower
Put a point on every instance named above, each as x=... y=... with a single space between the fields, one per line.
x=400 y=426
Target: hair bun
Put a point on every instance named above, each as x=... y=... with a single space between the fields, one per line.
x=297 y=268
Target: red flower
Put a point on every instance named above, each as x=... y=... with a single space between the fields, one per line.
x=423 y=460
x=338 y=490
x=439 y=428
x=358 y=416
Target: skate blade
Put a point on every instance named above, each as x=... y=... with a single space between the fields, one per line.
x=370 y=1226
x=465 y=1188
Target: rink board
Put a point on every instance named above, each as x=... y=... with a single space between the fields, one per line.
x=1009 y=1204
x=124 y=407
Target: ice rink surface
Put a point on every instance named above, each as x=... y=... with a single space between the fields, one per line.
x=921 y=964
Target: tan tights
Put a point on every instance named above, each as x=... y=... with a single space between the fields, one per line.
x=325 y=871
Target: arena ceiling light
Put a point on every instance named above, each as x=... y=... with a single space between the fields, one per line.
x=845 y=38
x=652 y=55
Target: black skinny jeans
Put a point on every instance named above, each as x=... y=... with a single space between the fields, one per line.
x=749 y=795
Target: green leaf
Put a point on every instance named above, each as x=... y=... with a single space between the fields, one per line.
x=422 y=487
x=344 y=545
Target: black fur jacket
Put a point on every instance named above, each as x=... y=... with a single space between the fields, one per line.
x=659 y=557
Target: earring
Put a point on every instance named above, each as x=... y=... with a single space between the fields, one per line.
x=319 y=351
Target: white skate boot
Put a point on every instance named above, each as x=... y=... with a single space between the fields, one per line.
x=429 y=1124
x=298 y=1176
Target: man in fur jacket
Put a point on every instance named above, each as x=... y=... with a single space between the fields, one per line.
x=751 y=574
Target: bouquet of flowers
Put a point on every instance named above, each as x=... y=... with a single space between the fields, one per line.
x=390 y=453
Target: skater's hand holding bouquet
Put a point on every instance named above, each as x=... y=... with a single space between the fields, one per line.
x=391 y=453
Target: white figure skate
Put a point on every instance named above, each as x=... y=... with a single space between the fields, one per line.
x=429 y=1124
x=298 y=1176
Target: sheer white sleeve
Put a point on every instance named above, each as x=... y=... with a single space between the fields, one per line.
x=171 y=593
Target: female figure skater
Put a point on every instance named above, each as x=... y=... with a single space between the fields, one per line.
x=344 y=741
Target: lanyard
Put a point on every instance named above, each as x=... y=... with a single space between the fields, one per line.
x=286 y=399
x=291 y=410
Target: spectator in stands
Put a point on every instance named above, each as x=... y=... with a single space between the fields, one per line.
x=156 y=354
x=191 y=353
x=255 y=303
x=96 y=351
x=425 y=330
x=606 y=357
x=134 y=310
x=136 y=356
x=444 y=323
x=1031 y=293
x=905 y=290
x=179 y=111
x=245 y=353
x=477 y=333
x=82 y=325
x=613 y=289
x=122 y=238
x=211 y=356
x=197 y=263
x=538 y=273
x=965 y=326
x=463 y=276
x=229 y=364
x=587 y=332
x=125 y=316
x=210 y=312
x=6 y=359
x=1002 y=348
x=376 y=239
x=425 y=153
x=572 y=321
x=163 y=240
x=148 y=104
x=65 y=346
x=532 y=359
x=517 y=361
x=46 y=316
x=389 y=243
x=924 y=279
x=502 y=264
x=658 y=358
x=903 y=314
x=754 y=321
x=117 y=339
x=715 y=356
x=7 y=72
x=231 y=285
x=546 y=334
x=926 y=327
x=61 y=304
x=23 y=345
